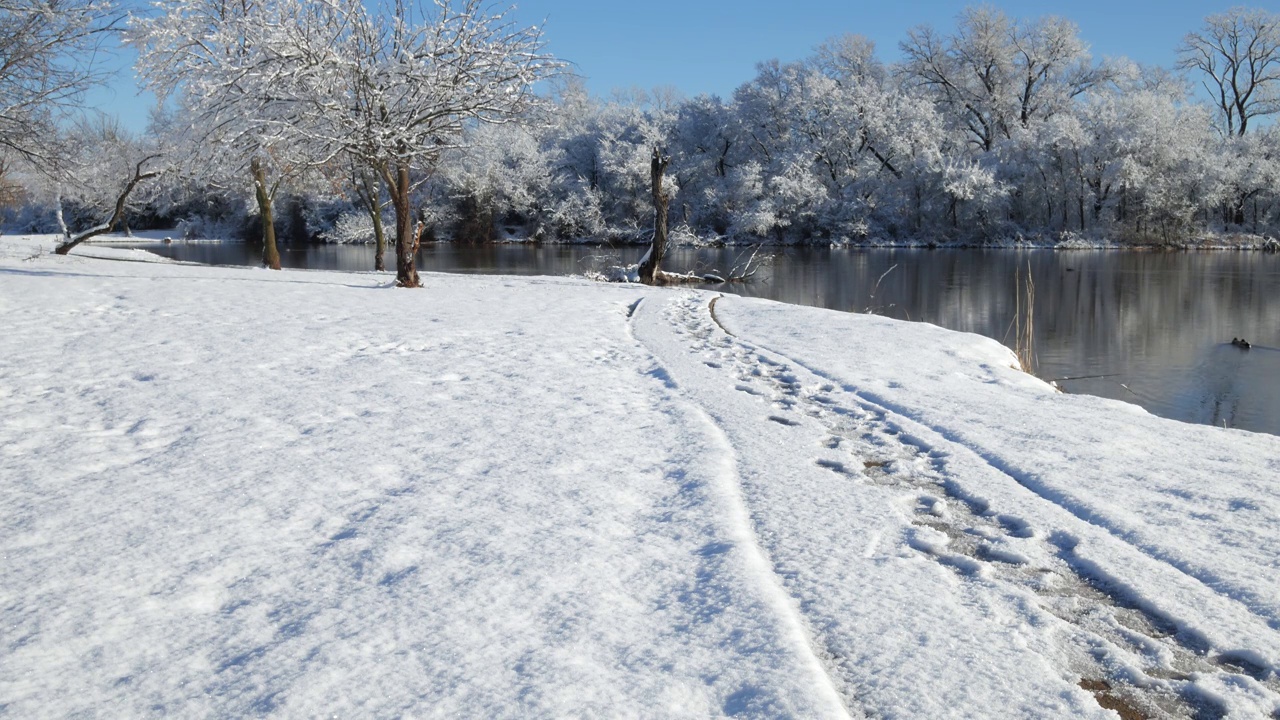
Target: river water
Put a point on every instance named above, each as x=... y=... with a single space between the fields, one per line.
x=1151 y=328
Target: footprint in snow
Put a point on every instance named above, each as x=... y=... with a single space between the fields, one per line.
x=834 y=466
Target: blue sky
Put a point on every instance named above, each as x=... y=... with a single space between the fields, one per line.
x=712 y=46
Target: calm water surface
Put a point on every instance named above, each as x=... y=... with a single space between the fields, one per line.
x=1156 y=326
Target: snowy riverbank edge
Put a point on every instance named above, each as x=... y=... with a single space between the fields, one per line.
x=1063 y=241
x=1054 y=241
x=232 y=491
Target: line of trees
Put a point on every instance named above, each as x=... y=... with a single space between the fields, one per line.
x=291 y=91
x=422 y=117
x=323 y=97
x=1003 y=128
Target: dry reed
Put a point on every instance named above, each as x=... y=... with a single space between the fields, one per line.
x=1023 y=325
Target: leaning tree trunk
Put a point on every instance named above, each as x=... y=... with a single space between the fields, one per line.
x=116 y=217
x=651 y=265
x=270 y=253
x=408 y=237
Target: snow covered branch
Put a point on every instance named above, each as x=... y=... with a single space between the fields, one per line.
x=118 y=214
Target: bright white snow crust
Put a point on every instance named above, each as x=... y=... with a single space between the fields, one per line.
x=241 y=492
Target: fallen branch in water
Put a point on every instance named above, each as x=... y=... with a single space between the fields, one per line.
x=608 y=270
x=871 y=309
x=740 y=272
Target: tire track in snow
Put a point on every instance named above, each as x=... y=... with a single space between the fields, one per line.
x=1132 y=658
x=741 y=530
x=804 y=528
x=1246 y=598
x=889 y=409
x=1082 y=512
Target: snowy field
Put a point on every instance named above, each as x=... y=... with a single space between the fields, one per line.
x=235 y=492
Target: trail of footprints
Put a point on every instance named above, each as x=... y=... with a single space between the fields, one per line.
x=1132 y=660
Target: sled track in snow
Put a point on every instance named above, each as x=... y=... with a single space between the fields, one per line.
x=868 y=443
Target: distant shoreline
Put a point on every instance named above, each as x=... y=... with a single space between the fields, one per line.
x=1235 y=242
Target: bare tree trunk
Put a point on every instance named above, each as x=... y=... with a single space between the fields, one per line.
x=370 y=193
x=651 y=265
x=270 y=253
x=57 y=215
x=407 y=236
x=117 y=216
x=379 y=241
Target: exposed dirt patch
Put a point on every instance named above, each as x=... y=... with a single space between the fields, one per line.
x=1109 y=700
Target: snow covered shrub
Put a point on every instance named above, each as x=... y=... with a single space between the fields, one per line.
x=315 y=215
x=578 y=215
x=352 y=228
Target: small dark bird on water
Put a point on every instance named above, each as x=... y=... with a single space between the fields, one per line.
x=1241 y=343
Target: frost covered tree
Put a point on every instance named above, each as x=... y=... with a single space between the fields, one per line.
x=997 y=74
x=234 y=71
x=107 y=167
x=397 y=84
x=503 y=176
x=1005 y=127
x=140 y=173
x=835 y=146
x=703 y=139
x=48 y=50
x=1244 y=168
x=1147 y=161
x=617 y=153
x=798 y=159
x=98 y=178
x=1238 y=53
x=101 y=156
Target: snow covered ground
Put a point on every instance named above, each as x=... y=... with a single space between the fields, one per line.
x=236 y=492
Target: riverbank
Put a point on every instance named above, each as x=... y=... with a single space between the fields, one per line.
x=1149 y=327
x=233 y=491
x=1067 y=240
x=685 y=239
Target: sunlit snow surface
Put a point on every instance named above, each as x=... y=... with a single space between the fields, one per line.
x=241 y=492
